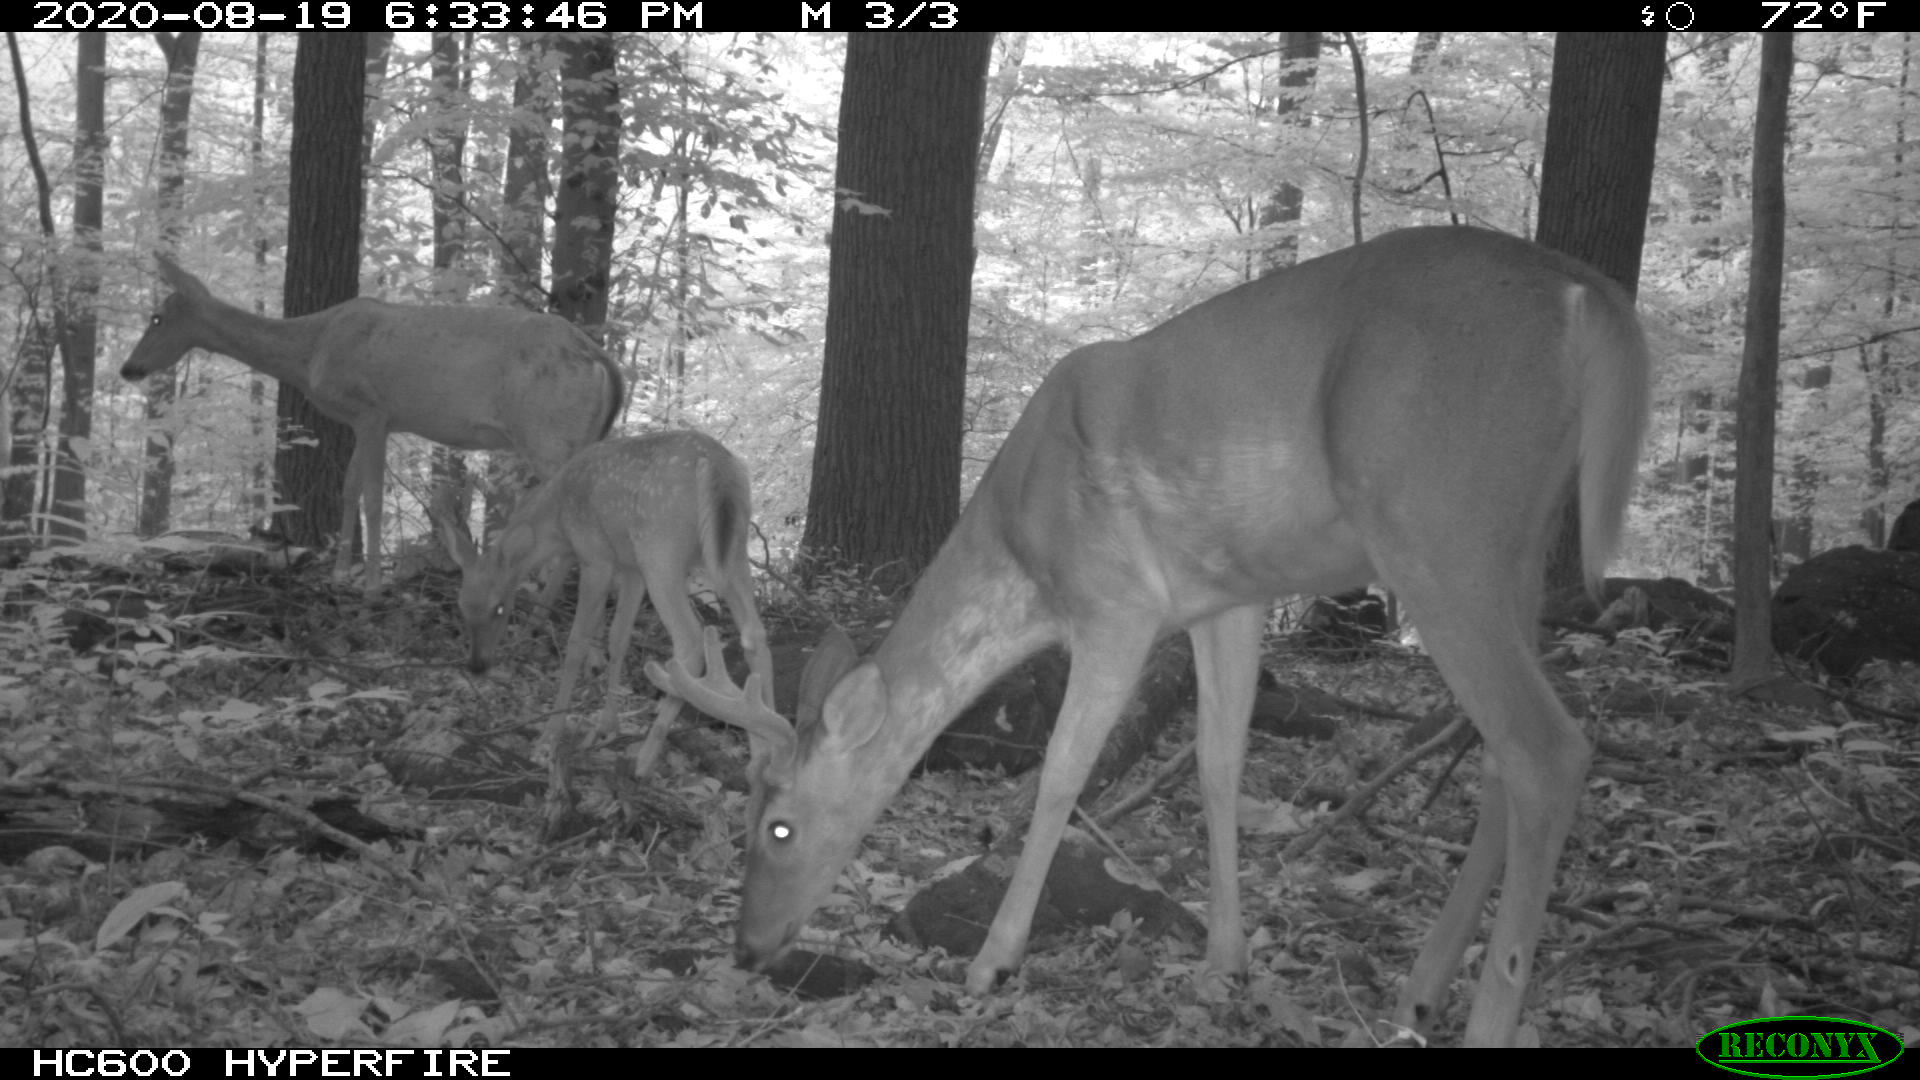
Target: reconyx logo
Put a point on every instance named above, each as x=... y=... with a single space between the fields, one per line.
x=1801 y=1047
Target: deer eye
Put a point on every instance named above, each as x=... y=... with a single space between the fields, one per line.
x=499 y=611
x=155 y=321
x=779 y=831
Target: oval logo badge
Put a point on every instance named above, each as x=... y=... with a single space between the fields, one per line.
x=1800 y=1047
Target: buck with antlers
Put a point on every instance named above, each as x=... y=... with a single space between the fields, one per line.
x=1407 y=411
x=472 y=378
x=643 y=511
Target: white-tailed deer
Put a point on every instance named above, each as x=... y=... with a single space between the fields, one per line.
x=473 y=378
x=1407 y=411
x=643 y=511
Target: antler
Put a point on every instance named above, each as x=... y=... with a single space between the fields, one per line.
x=716 y=695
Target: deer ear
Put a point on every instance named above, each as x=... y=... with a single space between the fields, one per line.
x=455 y=539
x=856 y=710
x=831 y=660
x=177 y=278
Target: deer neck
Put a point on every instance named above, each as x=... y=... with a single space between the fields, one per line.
x=282 y=348
x=533 y=536
x=974 y=615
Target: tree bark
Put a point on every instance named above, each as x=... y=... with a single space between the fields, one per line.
x=325 y=204
x=262 y=439
x=447 y=145
x=524 y=193
x=1300 y=52
x=886 y=463
x=1596 y=178
x=1760 y=371
x=69 y=518
x=590 y=180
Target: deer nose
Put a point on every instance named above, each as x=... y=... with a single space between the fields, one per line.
x=757 y=950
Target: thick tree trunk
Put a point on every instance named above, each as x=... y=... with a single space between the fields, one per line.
x=325 y=204
x=886 y=463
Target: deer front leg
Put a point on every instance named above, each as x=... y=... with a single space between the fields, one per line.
x=633 y=591
x=1105 y=668
x=1226 y=663
x=595 y=581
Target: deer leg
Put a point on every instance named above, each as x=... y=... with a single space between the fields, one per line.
x=1540 y=773
x=1105 y=666
x=1425 y=992
x=374 y=481
x=595 y=581
x=738 y=589
x=352 y=496
x=633 y=590
x=668 y=586
x=1226 y=663
x=1536 y=763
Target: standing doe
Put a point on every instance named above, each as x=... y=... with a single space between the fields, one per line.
x=473 y=378
x=645 y=511
x=1408 y=411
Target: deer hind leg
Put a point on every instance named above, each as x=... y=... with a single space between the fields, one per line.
x=1106 y=664
x=738 y=592
x=667 y=584
x=633 y=590
x=366 y=483
x=1477 y=626
x=1226 y=661
x=595 y=582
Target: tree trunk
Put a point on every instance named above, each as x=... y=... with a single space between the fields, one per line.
x=1760 y=371
x=523 y=197
x=1300 y=52
x=590 y=184
x=523 y=223
x=182 y=53
x=1596 y=178
x=325 y=203
x=886 y=462
x=76 y=390
x=262 y=440
x=33 y=387
x=447 y=144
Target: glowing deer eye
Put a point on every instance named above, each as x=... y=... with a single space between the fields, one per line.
x=499 y=611
x=780 y=831
x=155 y=321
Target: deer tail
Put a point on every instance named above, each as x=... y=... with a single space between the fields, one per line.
x=1610 y=353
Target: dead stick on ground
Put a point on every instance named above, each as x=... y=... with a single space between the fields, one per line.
x=1365 y=795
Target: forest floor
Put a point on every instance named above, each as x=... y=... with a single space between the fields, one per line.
x=209 y=844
